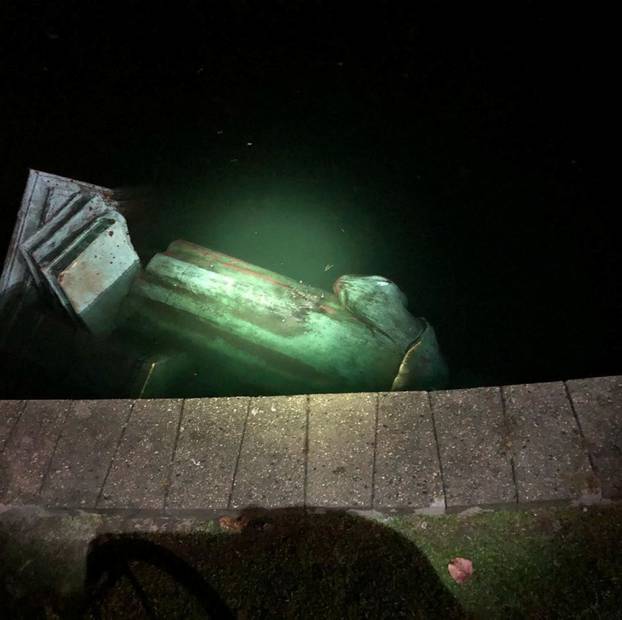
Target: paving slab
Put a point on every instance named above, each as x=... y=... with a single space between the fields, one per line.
x=407 y=473
x=10 y=410
x=139 y=474
x=598 y=405
x=271 y=469
x=472 y=440
x=550 y=460
x=27 y=453
x=84 y=452
x=207 y=450
x=341 y=449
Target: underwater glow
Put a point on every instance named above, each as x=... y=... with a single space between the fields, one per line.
x=299 y=232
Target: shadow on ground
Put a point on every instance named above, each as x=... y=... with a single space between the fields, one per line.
x=541 y=562
x=275 y=564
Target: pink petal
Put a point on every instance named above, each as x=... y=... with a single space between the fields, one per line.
x=460 y=569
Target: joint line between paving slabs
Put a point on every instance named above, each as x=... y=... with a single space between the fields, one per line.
x=60 y=434
x=508 y=429
x=576 y=417
x=438 y=449
x=114 y=454
x=306 y=447
x=12 y=430
x=373 y=467
x=172 y=462
x=237 y=460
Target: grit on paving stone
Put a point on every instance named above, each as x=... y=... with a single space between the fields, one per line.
x=84 y=452
x=598 y=405
x=472 y=439
x=341 y=449
x=271 y=468
x=550 y=459
x=140 y=468
x=27 y=453
x=10 y=410
x=207 y=450
x=407 y=473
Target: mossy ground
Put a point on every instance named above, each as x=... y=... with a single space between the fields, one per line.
x=543 y=563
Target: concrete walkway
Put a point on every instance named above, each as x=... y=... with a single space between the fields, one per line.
x=390 y=452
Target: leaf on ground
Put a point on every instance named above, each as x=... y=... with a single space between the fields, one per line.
x=460 y=569
x=242 y=522
x=231 y=524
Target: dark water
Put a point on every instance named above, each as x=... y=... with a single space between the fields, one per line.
x=464 y=156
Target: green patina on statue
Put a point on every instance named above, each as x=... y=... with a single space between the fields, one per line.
x=194 y=321
x=253 y=331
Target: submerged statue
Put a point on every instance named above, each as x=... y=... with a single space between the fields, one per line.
x=197 y=322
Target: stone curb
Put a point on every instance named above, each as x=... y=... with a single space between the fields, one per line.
x=387 y=452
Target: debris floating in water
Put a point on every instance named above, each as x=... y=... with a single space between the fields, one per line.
x=328 y=266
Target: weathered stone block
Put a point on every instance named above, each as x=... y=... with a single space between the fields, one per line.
x=27 y=453
x=407 y=473
x=550 y=459
x=271 y=469
x=139 y=474
x=341 y=449
x=207 y=451
x=473 y=445
x=598 y=405
x=84 y=452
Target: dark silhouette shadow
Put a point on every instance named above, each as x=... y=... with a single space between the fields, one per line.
x=110 y=560
x=548 y=562
x=267 y=564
